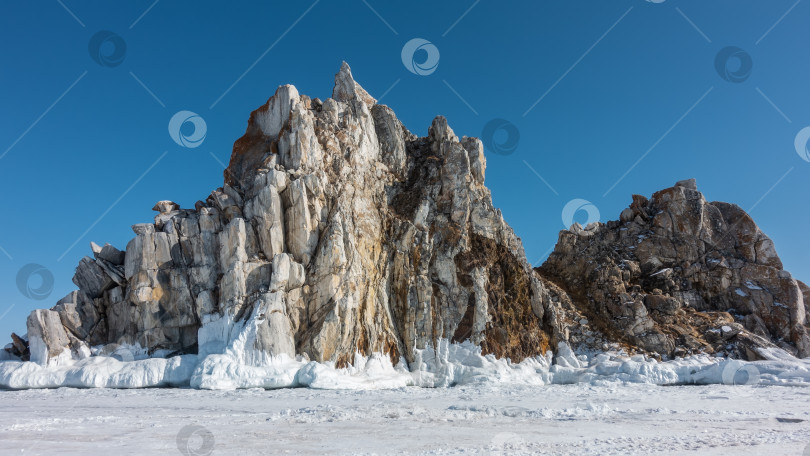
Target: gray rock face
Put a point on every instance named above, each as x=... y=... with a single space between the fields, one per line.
x=48 y=340
x=338 y=231
x=675 y=270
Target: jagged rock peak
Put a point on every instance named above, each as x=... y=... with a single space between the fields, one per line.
x=166 y=206
x=346 y=89
x=691 y=184
x=439 y=132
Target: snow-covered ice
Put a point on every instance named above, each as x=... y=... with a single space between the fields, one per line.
x=513 y=419
x=450 y=400
x=446 y=365
x=231 y=399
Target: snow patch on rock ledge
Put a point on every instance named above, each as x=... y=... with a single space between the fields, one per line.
x=448 y=365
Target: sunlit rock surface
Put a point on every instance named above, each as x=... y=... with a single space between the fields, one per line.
x=340 y=237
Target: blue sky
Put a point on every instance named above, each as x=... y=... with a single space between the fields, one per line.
x=609 y=98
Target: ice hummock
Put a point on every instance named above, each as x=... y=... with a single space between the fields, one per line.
x=227 y=360
x=449 y=364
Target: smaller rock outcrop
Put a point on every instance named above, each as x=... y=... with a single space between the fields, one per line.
x=678 y=275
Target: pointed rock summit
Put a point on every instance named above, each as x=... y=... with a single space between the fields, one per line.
x=346 y=89
x=338 y=232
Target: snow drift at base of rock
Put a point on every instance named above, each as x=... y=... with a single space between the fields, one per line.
x=448 y=365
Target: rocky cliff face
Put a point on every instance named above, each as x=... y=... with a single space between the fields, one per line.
x=679 y=275
x=337 y=231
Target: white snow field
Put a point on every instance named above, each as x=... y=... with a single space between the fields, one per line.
x=451 y=401
x=482 y=419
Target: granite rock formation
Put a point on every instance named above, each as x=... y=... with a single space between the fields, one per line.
x=337 y=231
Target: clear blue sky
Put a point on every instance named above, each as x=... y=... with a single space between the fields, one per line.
x=616 y=78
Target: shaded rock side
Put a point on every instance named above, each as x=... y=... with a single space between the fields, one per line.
x=678 y=275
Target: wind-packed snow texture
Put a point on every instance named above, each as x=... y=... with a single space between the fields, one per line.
x=480 y=419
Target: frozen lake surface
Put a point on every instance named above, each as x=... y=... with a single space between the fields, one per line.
x=581 y=419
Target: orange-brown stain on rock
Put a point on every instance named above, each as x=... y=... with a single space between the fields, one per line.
x=514 y=331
